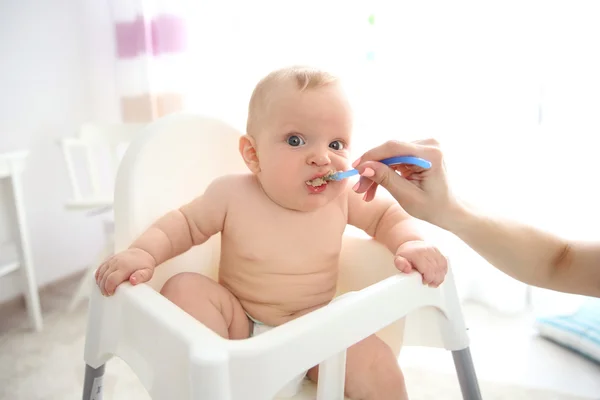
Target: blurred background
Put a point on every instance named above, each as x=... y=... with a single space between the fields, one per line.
x=511 y=89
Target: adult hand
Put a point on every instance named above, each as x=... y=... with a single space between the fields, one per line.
x=423 y=193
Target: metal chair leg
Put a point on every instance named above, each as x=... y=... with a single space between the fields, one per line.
x=92 y=385
x=467 y=378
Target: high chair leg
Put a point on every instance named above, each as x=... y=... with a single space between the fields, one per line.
x=332 y=377
x=467 y=378
x=92 y=385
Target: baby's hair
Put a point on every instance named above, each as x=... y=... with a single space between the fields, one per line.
x=305 y=78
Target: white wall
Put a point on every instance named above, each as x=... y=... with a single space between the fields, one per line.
x=51 y=54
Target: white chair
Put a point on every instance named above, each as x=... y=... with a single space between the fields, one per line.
x=92 y=159
x=176 y=357
x=12 y=165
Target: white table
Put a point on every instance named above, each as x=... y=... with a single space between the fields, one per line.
x=11 y=166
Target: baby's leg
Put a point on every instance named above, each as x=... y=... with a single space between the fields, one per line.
x=372 y=372
x=208 y=302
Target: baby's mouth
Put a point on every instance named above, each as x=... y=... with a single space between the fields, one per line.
x=320 y=181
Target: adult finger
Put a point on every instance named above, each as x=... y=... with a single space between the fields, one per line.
x=428 y=142
x=391 y=148
x=388 y=178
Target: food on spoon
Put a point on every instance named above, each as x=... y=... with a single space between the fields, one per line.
x=322 y=180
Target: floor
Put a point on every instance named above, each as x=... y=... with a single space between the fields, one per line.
x=506 y=349
x=511 y=361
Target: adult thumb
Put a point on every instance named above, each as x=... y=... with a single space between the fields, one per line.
x=388 y=178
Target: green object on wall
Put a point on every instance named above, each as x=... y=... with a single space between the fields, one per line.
x=372 y=19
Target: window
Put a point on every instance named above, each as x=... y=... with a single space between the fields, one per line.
x=511 y=89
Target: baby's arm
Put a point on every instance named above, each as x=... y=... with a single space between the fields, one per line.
x=171 y=235
x=389 y=224
x=382 y=219
x=190 y=225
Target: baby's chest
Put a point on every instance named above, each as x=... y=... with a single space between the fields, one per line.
x=262 y=234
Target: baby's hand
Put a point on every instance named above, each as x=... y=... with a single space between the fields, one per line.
x=135 y=265
x=423 y=257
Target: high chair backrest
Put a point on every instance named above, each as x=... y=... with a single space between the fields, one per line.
x=92 y=159
x=169 y=163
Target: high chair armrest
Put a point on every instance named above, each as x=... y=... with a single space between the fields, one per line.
x=150 y=333
x=309 y=340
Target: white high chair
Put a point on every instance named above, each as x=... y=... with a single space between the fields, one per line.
x=102 y=147
x=176 y=357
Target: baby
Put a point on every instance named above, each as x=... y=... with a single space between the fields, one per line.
x=281 y=228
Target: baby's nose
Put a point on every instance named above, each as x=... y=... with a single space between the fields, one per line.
x=319 y=160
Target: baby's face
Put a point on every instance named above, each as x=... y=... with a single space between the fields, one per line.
x=305 y=136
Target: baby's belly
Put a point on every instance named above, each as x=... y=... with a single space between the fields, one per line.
x=273 y=295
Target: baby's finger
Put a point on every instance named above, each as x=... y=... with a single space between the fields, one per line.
x=426 y=281
x=115 y=279
x=102 y=283
x=101 y=271
x=112 y=268
x=402 y=264
x=140 y=276
x=428 y=277
x=437 y=280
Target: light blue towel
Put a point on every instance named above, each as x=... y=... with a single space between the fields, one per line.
x=579 y=331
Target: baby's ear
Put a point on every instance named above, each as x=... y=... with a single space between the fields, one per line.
x=248 y=152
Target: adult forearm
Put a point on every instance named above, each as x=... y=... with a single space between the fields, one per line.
x=528 y=254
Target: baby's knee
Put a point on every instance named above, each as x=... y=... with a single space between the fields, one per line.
x=384 y=381
x=182 y=284
x=378 y=374
x=387 y=378
x=208 y=302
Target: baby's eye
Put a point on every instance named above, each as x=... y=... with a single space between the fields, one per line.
x=336 y=145
x=295 y=141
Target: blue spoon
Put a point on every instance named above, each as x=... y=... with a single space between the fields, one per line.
x=387 y=161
